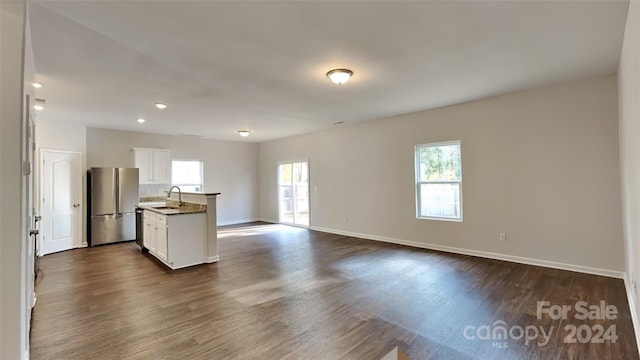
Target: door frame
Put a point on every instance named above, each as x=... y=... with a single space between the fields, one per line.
x=78 y=243
x=278 y=190
x=32 y=204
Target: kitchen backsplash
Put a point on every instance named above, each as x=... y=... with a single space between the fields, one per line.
x=146 y=199
x=151 y=190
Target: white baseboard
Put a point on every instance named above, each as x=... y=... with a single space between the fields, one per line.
x=483 y=254
x=269 y=220
x=234 y=222
x=212 y=259
x=632 y=309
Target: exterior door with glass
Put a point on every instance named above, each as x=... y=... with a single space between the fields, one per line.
x=293 y=193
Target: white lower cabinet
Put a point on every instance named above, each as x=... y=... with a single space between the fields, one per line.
x=177 y=240
x=149 y=230
x=161 y=237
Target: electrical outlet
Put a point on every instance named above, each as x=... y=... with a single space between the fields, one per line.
x=503 y=237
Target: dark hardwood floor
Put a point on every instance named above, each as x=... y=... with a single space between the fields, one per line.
x=288 y=293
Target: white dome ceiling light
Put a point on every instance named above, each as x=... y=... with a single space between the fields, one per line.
x=244 y=133
x=161 y=106
x=339 y=76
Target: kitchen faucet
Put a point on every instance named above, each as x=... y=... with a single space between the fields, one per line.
x=179 y=194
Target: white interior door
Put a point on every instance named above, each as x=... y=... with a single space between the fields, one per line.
x=293 y=193
x=28 y=158
x=62 y=191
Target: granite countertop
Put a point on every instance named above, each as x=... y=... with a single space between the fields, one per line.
x=172 y=208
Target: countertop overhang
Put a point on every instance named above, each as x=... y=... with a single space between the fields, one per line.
x=173 y=210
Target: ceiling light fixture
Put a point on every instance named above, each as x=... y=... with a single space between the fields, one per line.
x=244 y=133
x=37 y=85
x=39 y=104
x=339 y=76
x=161 y=106
x=141 y=120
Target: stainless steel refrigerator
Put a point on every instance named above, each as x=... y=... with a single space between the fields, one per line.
x=113 y=196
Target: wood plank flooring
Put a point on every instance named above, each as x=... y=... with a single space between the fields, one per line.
x=288 y=293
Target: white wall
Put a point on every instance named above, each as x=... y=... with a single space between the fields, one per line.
x=58 y=135
x=541 y=166
x=16 y=49
x=229 y=167
x=629 y=108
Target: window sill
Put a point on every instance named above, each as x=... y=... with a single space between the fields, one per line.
x=439 y=218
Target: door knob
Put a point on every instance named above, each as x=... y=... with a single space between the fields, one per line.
x=76 y=205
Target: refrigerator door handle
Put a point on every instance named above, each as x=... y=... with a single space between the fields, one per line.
x=116 y=191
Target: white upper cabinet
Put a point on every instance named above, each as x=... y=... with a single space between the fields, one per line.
x=161 y=166
x=154 y=165
x=142 y=160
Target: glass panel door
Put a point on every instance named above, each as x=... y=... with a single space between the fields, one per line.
x=285 y=192
x=293 y=193
x=301 y=193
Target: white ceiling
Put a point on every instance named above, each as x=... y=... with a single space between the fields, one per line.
x=227 y=66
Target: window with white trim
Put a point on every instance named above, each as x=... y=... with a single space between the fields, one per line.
x=439 y=181
x=187 y=174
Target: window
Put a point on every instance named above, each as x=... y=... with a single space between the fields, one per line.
x=439 y=181
x=187 y=174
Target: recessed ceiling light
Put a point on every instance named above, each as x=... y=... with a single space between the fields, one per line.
x=161 y=106
x=244 y=133
x=141 y=120
x=37 y=85
x=39 y=104
x=339 y=76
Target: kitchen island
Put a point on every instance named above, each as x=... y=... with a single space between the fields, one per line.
x=182 y=231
